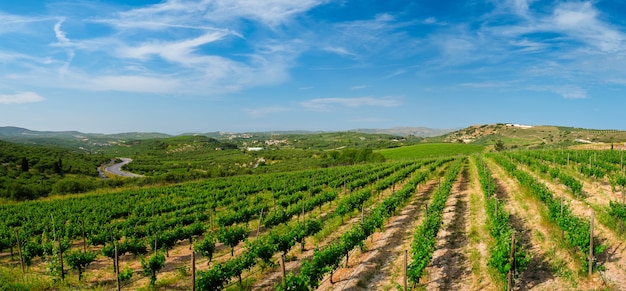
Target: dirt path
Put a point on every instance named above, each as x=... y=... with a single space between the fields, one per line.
x=450 y=269
x=551 y=266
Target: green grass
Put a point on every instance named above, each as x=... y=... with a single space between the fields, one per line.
x=429 y=151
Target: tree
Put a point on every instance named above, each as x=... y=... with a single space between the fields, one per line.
x=24 y=164
x=499 y=146
x=151 y=267
x=58 y=167
x=79 y=261
x=231 y=236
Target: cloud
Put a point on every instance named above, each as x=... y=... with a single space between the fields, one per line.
x=20 y=97
x=571 y=92
x=580 y=21
x=196 y=14
x=60 y=35
x=181 y=51
x=325 y=104
x=339 y=50
x=359 y=87
x=263 y=111
x=393 y=74
x=367 y=40
x=566 y=91
x=18 y=23
x=483 y=85
x=430 y=20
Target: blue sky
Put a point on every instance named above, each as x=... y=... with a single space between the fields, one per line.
x=180 y=66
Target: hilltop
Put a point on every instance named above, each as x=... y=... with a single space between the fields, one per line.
x=528 y=136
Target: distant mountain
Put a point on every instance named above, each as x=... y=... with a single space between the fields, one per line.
x=18 y=132
x=71 y=139
x=406 y=131
x=395 y=131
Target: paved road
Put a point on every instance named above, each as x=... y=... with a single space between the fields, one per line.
x=116 y=169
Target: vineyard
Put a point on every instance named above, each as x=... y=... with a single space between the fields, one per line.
x=524 y=220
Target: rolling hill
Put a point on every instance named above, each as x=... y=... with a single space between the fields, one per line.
x=526 y=136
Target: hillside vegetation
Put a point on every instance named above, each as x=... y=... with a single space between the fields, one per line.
x=28 y=172
x=531 y=137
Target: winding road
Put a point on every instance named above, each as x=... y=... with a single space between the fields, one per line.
x=116 y=169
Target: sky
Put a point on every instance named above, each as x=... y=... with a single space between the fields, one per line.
x=180 y=66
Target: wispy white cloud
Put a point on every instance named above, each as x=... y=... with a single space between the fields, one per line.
x=181 y=51
x=196 y=14
x=484 y=85
x=166 y=46
x=339 y=50
x=325 y=104
x=60 y=35
x=359 y=87
x=20 y=97
x=393 y=74
x=264 y=111
x=360 y=40
x=580 y=20
x=565 y=91
x=572 y=92
x=18 y=23
x=430 y=20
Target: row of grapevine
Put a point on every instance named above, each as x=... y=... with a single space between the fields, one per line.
x=261 y=249
x=128 y=211
x=572 y=183
x=216 y=277
x=425 y=234
x=174 y=213
x=577 y=230
x=327 y=259
x=500 y=229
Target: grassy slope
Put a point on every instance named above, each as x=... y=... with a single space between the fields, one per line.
x=531 y=137
x=430 y=150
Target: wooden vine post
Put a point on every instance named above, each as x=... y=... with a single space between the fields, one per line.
x=362 y=214
x=591 y=245
x=19 y=249
x=562 y=231
x=61 y=257
x=282 y=266
x=84 y=237
x=302 y=209
x=405 y=270
x=116 y=264
x=512 y=260
x=193 y=270
x=496 y=210
x=621 y=223
x=258 y=229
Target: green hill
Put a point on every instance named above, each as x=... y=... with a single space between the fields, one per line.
x=521 y=136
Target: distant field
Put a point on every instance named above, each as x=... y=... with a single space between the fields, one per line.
x=430 y=150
